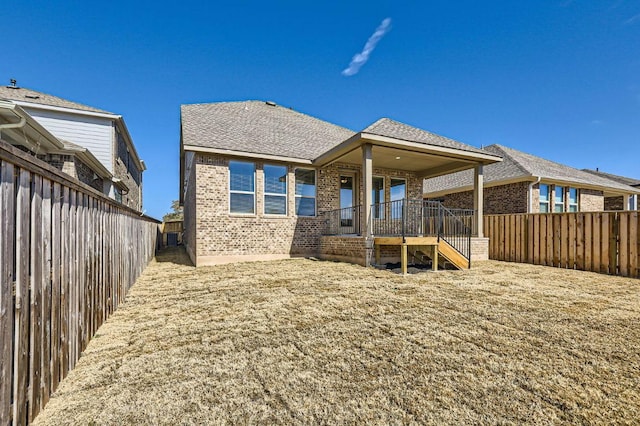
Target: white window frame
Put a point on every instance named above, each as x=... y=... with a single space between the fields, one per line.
x=562 y=200
x=235 y=191
x=577 y=203
x=547 y=201
x=273 y=194
x=315 y=191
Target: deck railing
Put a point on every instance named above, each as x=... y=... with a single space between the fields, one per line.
x=343 y=221
x=407 y=218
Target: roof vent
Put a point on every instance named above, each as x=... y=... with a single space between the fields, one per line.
x=270 y=103
x=32 y=96
x=13 y=84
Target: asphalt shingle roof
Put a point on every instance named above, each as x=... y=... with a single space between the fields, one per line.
x=390 y=128
x=517 y=164
x=259 y=128
x=622 y=179
x=34 y=97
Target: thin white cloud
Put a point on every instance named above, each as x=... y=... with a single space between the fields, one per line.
x=359 y=59
x=632 y=20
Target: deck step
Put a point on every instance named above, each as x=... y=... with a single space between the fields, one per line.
x=452 y=255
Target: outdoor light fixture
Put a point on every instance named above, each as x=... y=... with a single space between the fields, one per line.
x=397 y=158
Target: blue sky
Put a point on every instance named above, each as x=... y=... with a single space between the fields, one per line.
x=559 y=79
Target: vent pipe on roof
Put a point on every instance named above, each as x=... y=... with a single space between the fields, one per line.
x=13 y=84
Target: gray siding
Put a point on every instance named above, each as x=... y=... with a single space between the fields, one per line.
x=93 y=133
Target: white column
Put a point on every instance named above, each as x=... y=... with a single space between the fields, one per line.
x=367 y=185
x=478 y=198
x=626 y=198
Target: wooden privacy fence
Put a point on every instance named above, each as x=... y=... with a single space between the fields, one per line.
x=605 y=242
x=68 y=255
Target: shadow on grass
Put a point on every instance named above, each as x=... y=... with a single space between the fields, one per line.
x=177 y=255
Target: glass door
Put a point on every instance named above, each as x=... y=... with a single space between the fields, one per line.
x=347 y=203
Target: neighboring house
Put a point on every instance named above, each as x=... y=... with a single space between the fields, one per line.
x=619 y=202
x=21 y=130
x=102 y=133
x=524 y=183
x=260 y=181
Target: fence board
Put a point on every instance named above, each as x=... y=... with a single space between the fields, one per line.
x=21 y=319
x=633 y=244
x=596 y=226
x=45 y=370
x=624 y=245
x=35 y=332
x=7 y=225
x=56 y=226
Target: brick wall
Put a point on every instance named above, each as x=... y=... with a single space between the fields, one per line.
x=591 y=200
x=212 y=232
x=500 y=199
x=614 y=203
x=351 y=249
x=75 y=168
x=126 y=170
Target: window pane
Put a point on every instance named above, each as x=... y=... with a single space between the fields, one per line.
x=306 y=182
x=398 y=189
x=573 y=196
x=275 y=179
x=559 y=208
x=544 y=192
x=544 y=208
x=305 y=206
x=275 y=204
x=573 y=208
x=241 y=203
x=559 y=194
x=377 y=196
x=242 y=176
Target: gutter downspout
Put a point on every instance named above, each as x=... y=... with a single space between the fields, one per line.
x=530 y=193
x=17 y=125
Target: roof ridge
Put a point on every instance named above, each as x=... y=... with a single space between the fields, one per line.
x=515 y=161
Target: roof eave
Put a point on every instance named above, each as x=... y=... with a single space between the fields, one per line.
x=256 y=155
x=362 y=137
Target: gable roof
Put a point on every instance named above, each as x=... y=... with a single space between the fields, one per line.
x=394 y=129
x=520 y=166
x=260 y=128
x=22 y=94
x=621 y=179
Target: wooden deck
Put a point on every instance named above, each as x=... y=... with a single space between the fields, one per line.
x=429 y=247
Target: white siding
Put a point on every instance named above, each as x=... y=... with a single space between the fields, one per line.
x=93 y=133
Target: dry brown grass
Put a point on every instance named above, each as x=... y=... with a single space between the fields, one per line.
x=316 y=342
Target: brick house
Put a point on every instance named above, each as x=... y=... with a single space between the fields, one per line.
x=619 y=202
x=524 y=183
x=260 y=181
x=102 y=134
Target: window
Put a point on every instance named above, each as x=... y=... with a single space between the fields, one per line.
x=305 y=192
x=544 y=198
x=558 y=204
x=242 y=187
x=573 y=200
x=275 y=189
x=377 y=197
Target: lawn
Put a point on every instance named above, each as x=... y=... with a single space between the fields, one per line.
x=303 y=341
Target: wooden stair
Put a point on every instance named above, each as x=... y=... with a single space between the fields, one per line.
x=452 y=255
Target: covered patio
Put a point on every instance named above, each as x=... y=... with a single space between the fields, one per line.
x=422 y=228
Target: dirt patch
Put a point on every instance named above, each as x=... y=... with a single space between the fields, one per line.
x=303 y=341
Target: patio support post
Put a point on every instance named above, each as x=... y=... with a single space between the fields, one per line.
x=478 y=198
x=626 y=201
x=367 y=186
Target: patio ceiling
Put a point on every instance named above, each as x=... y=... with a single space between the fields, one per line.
x=391 y=153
